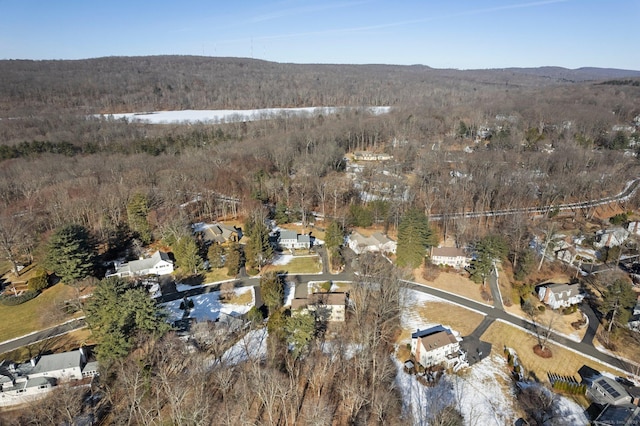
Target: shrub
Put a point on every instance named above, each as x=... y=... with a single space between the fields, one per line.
x=541 y=308
x=18 y=300
x=39 y=281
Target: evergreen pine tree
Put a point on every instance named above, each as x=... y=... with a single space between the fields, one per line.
x=414 y=236
x=69 y=253
x=258 y=250
x=116 y=313
x=137 y=212
x=233 y=261
x=188 y=255
x=334 y=236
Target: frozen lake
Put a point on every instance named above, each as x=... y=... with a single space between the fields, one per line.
x=234 y=115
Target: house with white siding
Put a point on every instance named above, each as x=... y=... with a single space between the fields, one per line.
x=434 y=346
x=20 y=383
x=560 y=295
x=449 y=256
x=292 y=240
x=158 y=264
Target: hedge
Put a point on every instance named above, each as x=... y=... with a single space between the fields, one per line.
x=18 y=300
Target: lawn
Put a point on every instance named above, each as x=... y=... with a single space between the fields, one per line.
x=455 y=283
x=458 y=318
x=216 y=275
x=298 y=265
x=35 y=314
x=241 y=298
x=563 y=361
x=64 y=343
x=561 y=324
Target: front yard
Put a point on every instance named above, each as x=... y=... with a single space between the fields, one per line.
x=35 y=314
x=306 y=264
x=563 y=361
x=453 y=282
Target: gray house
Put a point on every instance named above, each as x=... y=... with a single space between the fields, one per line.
x=292 y=240
x=20 y=383
x=604 y=390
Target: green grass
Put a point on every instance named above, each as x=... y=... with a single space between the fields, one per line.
x=35 y=314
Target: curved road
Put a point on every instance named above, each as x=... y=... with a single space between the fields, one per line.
x=491 y=313
x=629 y=189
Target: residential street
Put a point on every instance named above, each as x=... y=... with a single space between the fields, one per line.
x=492 y=313
x=41 y=335
x=583 y=347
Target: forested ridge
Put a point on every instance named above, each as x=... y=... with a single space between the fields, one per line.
x=457 y=141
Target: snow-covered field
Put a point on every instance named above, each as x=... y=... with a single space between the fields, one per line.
x=232 y=116
x=475 y=393
x=207 y=306
x=253 y=346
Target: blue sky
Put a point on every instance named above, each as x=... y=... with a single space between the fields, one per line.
x=460 y=34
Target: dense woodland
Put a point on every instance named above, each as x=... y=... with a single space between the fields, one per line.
x=551 y=142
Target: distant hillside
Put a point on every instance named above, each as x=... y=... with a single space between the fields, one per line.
x=130 y=84
x=576 y=75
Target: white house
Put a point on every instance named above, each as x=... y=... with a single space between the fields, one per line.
x=450 y=256
x=330 y=306
x=610 y=237
x=371 y=156
x=158 y=264
x=634 y=228
x=434 y=346
x=377 y=242
x=292 y=240
x=634 y=321
x=21 y=383
x=560 y=295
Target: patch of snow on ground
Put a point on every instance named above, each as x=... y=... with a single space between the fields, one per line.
x=349 y=350
x=185 y=287
x=207 y=307
x=289 y=293
x=252 y=346
x=282 y=259
x=475 y=393
x=571 y=412
x=566 y=411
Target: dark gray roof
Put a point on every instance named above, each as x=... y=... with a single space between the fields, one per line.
x=621 y=415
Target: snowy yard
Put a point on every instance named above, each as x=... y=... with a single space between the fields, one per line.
x=481 y=393
x=207 y=306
